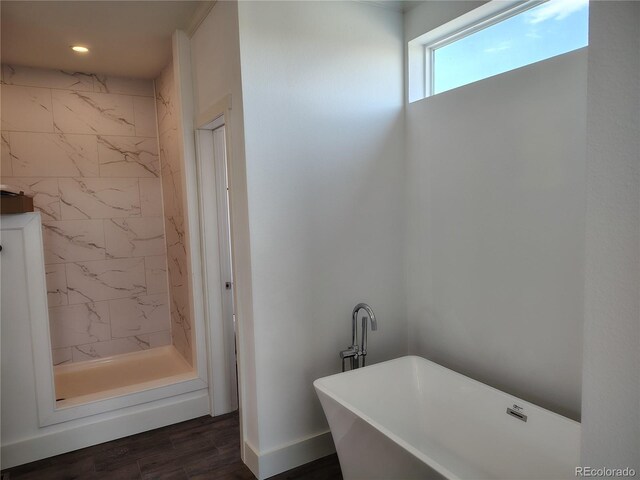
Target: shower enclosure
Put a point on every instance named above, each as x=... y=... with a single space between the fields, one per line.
x=102 y=158
x=115 y=316
x=106 y=177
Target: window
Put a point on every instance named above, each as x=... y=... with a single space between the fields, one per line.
x=525 y=33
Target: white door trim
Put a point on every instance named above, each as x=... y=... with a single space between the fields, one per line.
x=216 y=260
x=226 y=273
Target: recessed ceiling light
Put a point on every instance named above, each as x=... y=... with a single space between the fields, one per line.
x=79 y=49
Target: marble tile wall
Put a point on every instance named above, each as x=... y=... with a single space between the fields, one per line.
x=85 y=146
x=172 y=169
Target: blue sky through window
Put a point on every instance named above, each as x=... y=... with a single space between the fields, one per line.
x=550 y=29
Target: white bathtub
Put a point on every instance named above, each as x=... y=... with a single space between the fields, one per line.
x=410 y=418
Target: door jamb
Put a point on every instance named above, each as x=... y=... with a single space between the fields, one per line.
x=214 y=117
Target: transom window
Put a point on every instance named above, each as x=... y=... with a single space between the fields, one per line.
x=519 y=35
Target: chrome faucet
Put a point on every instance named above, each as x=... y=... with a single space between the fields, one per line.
x=354 y=353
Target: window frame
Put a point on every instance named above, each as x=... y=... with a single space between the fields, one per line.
x=469 y=29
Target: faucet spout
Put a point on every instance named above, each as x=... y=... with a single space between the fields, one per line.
x=354 y=316
x=374 y=326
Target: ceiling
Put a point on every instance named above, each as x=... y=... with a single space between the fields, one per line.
x=399 y=5
x=125 y=38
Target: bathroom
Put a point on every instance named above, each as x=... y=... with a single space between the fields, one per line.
x=496 y=256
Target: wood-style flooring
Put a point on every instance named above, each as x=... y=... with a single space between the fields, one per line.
x=202 y=448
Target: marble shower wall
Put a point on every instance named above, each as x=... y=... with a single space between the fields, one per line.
x=174 y=211
x=85 y=146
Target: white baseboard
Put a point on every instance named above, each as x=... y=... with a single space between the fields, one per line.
x=106 y=427
x=273 y=462
x=251 y=459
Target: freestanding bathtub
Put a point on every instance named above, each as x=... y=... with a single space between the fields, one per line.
x=410 y=418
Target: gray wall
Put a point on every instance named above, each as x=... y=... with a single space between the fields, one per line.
x=611 y=394
x=495 y=237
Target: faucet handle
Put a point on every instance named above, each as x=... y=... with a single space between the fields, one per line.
x=350 y=352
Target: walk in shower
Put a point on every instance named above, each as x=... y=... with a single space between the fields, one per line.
x=102 y=157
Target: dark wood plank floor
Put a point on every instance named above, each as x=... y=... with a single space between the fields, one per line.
x=202 y=448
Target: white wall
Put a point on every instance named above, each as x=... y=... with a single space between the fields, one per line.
x=495 y=237
x=611 y=392
x=491 y=219
x=323 y=99
x=495 y=233
x=215 y=60
x=428 y=15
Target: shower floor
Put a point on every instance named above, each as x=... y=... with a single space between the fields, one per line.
x=92 y=380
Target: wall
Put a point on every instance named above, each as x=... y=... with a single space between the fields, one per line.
x=86 y=147
x=495 y=238
x=426 y=16
x=215 y=52
x=322 y=85
x=173 y=194
x=611 y=381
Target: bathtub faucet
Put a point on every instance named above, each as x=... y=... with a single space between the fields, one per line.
x=355 y=353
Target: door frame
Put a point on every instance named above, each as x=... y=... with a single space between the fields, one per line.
x=217 y=260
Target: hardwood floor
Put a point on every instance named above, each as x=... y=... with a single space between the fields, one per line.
x=202 y=448
x=326 y=468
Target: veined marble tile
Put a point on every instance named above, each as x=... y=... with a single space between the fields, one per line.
x=173 y=204
x=100 y=113
x=105 y=279
x=60 y=356
x=73 y=241
x=110 y=348
x=54 y=155
x=126 y=86
x=6 y=156
x=144 y=109
x=134 y=237
x=143 y=314
x=156 y=273
x=56 y=285
x=175 y=231
x=177 y=265
x=150 y=197
x=159 y=339
x=176 y=250
x=172 y=196
x=26 y=109
x=182 y=345
x=99 y=198
x=167 y=118
x=43 y=77
x=128 y=157
x=166 y=109
x=170 y=152
x=79 y=324
x=181 y=321
x=46 y=197
x=164 y=82
x=180 y=301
